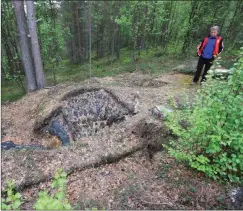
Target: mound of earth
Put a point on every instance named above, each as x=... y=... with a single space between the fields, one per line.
x=98 y=118
x=86 y=126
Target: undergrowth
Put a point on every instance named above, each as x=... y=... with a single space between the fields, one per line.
x=212 y=140
x=55 y=201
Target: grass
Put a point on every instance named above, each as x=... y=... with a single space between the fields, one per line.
x=11 y=92
x=152 y=61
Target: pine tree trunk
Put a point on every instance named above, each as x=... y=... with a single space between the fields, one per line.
x=118 y=43
x=40 y=78
x=24 y=45
x=78 y=33
x=90 y=42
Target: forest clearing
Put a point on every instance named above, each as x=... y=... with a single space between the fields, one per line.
x=102 y=108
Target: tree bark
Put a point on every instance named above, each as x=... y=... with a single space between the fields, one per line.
x=118 y=42
x=78 y=32
x=40 y=78
x=90 y=42
x=194 y=9
x=230 y=32
x=24 y=45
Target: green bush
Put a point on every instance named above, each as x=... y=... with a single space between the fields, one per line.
x=13 y=200
x=212 y=141
x=57 y=200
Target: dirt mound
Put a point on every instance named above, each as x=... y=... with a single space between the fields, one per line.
x=97 y=117
x=112 y=159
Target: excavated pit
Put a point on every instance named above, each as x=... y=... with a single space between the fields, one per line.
x=85 y=113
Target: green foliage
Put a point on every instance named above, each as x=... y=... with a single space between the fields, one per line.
x=13 y=200
x=11 y=92
x=57 y=200
x=212 y=142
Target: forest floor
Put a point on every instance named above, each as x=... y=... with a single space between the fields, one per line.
x=133 y=179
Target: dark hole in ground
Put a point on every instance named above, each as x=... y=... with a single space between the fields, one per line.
x=85 y=114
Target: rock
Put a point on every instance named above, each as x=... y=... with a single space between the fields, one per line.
x=104 y=173
x=56 y=129
x=219 y=71
x=160 y=112
x=188 y=68
x=236 y=196
x=155 y=112
x=114 y=119
x=29 y=147
x=7 y=145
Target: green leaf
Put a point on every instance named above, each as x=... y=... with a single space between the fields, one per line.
x=39 y=206
x=60 y=195
x=67 y=206
x=54 y=184
x=17 y=195
x=3 y=206
x=8 y=207
x=16 y=204
x=63 y=174
x=10 y=192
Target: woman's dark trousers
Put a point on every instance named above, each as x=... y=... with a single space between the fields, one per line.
x=201 y=62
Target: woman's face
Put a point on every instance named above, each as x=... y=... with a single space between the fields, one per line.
x=213 y=33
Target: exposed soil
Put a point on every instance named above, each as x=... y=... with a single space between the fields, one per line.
x=136 y=182
x=119 y=166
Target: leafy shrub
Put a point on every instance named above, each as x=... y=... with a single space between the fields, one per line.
x=212 y=142
x=58 y=200
x=55 y=201
x=13 y=200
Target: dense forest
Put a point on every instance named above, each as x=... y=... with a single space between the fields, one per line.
x=82 y=31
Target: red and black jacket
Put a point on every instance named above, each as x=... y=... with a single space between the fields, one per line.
x=218 y=48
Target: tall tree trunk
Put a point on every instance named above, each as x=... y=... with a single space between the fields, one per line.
x=118 y=39
x=54 y=50
x=169 y=35
x=86 y=26
x=194 y=10
x=78 y=32
x=230 y=32
x=40 y=78
x=90 y=41
x=164 y=27
x=24 y=44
